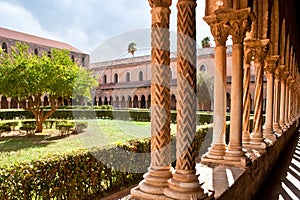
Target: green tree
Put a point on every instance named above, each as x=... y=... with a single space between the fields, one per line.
x=26 y=76
x=205 y=42
x=132 y=48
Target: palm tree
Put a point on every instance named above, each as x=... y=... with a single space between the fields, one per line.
x=205 y=42
x=132 y=48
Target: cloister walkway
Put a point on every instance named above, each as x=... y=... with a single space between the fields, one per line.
x=284 y=180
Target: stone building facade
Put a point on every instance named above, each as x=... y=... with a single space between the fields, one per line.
x=38 y=46
x=125 y=83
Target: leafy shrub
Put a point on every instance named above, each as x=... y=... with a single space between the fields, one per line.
x=79 y=175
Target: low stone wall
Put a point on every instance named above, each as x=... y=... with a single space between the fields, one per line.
x=243 y=183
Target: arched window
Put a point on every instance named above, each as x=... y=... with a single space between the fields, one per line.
x=4 y=47
x=104 y=79
x=83 y=61
x=116 y=78
x=49 y=54
x=36 y=52
x=127 y=77
x=73 y=58
x=141 y=76
x=203 y=68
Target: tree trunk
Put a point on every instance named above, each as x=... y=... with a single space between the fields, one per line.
x=39 y=126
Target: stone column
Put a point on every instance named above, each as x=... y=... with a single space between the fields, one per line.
x=237 y=28
x=257 y=140
x=248 y=57
x=218 y=146
x=276 y=126
x=269 y=72
x=287 y=101
x=184 y=184
x=283 y=99
x=159 y=172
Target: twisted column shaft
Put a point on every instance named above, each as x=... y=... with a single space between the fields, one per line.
x=246 y=102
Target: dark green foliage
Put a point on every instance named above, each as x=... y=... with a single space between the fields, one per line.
x=80 y=175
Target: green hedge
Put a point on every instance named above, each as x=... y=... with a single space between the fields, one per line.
x=80 y=175
x=91 y=113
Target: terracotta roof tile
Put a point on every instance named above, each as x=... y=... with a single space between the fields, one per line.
x=35 y=39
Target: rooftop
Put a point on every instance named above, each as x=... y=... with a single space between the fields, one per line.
x=24 y=37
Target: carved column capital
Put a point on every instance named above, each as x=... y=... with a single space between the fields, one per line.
x=160 y=3
x=256 y=50
x=220 y=33
x=235 y=22
x=284 y=76
x=271 y=64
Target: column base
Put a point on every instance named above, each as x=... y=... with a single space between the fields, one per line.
x=283 y=127
x=154 y=183
x=258 y=146
x=184 y=185
x=270 y=137
x=216 y=152
x=138 y=194
x=246 y=137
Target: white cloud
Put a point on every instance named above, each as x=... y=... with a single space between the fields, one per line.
x=85 y=24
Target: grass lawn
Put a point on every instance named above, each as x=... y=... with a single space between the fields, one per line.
x=100 y=133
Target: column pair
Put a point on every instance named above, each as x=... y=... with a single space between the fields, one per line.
x=161 y=181
x=256 y=51
x=235 y=23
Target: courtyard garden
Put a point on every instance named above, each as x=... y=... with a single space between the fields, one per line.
x=93 y=157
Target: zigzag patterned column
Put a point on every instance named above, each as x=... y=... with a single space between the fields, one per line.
x=269 y=71
x=234 y=154
x=260 y=48
x=156 y=180
x=184 y=183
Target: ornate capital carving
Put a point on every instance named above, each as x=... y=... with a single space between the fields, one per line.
x=238 y=30
x=271 y=64
x=160 y=3
x=256 y=50
x=220 y=34
x=234 y=22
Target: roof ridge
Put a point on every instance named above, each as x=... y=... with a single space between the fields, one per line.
x=26 y=37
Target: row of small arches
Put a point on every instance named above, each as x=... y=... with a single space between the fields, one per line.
x=36 y=52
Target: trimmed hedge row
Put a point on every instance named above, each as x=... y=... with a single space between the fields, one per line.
x=80 y=175
x=135 y=115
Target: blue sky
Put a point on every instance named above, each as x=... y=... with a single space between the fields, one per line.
x=85 y=24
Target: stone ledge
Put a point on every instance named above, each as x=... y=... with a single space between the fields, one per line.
x=229 y=182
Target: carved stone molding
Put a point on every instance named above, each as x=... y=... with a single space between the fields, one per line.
x=238 y=29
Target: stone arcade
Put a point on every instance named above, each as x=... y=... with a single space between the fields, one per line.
x=263 y=37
